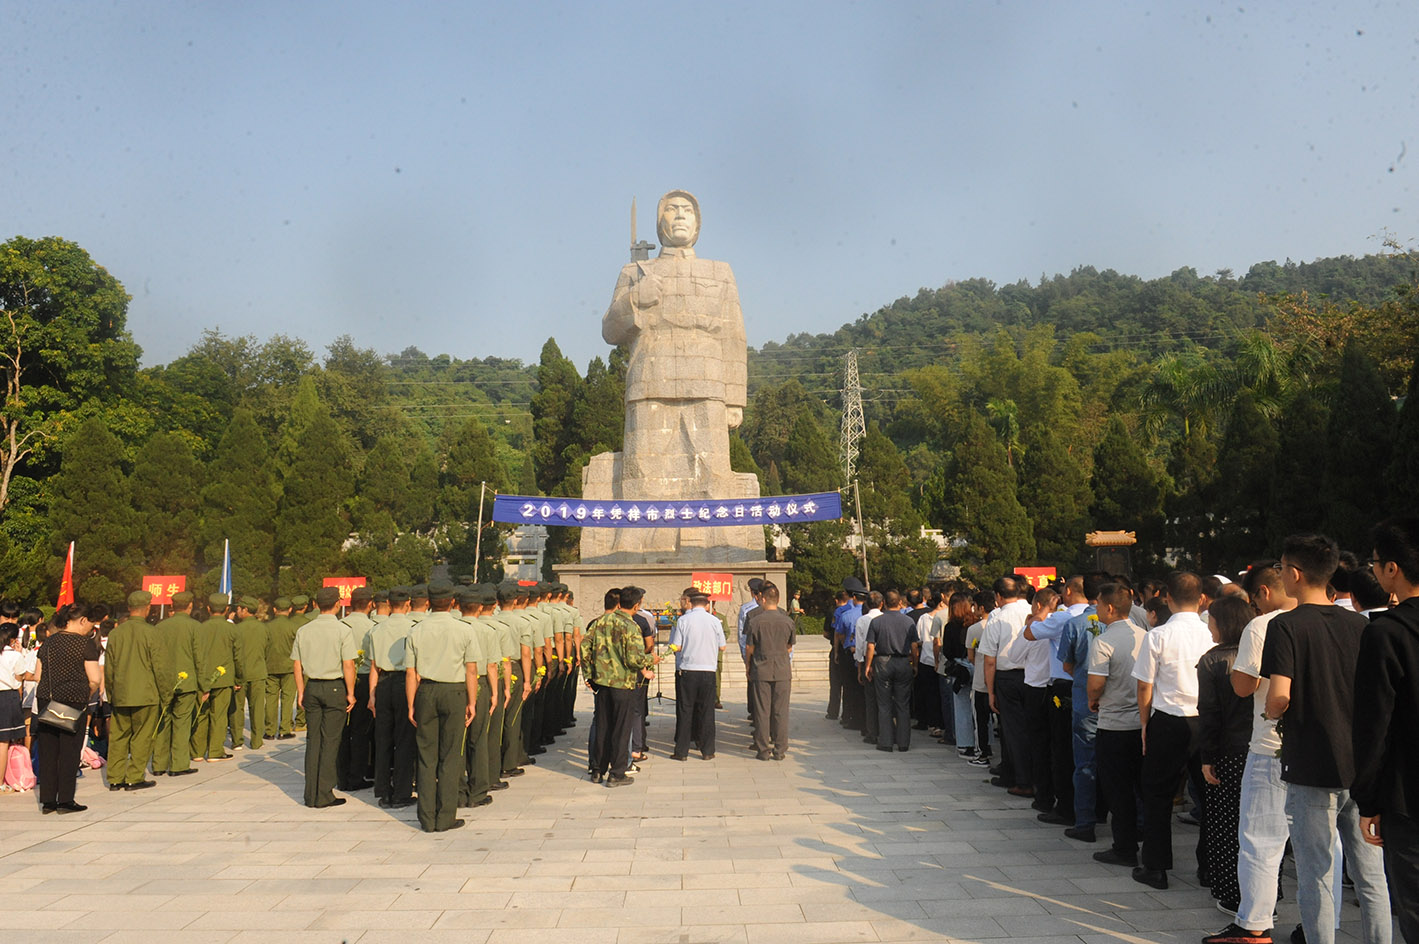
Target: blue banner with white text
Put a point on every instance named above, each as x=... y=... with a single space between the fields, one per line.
x=694 y=513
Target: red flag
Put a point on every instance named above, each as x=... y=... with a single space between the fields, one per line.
x=66 y=586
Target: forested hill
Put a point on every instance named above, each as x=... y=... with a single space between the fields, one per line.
x=1125 y=311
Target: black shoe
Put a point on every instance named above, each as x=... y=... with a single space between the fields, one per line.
x=719 y=706
x=1114 y=857
x=621 y=781
x=402 y=804
x=537 y=750
x=515 y=772
x=594 y=777
x=679 y=756
x=1204 y=878
x=1081 y=834
x=777 y=756
x=140 y=785
x=708 y=756
x=70 y=807
x=764 y=756
x=1041 y=804
x=903 y=748
x=997 y=771
x=182 y=773
x=48 y=808
x=533 y=760
x=500 y=785
x=358 y=785
x=1232 y=934
x=1054 y=819
x=1153 y=878
x=1298 y=935
x=483 y=802
x=338 y=801
x=284 y=737
x=456 y=824
x=998 y=781
x=831 y=717
x=887 y=748
x=115 y=787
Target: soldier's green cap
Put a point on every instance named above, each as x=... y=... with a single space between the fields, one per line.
x=419 y=592
x=361 y=595
x=398 y=595
x=440 y=589
x=182 y=598
x=282 y=603
x=467 y=580
x=326 y=597
x=300 y=599
x=467 y=596
x=251 y=603
x=380 y=596
x=488 y=596
x=217 y=601
x=139 y=598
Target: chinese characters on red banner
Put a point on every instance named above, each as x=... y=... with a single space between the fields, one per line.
x=718 y=586
x=162 y=588
x=346 y=586
x=1037 y=576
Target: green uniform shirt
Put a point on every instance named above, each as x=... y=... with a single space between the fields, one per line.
x=508 y=646
x=251 y=650
x=522 y=624
x=490 y=642
x=322 y=646
x=178 y=634
x=280 y=636
x=613 y=651
x=439 y=646
x=216 y=654
x=136 y=669
x=360 y=625
x=385 y=643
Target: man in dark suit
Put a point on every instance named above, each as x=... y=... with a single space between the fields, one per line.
x=771 y=634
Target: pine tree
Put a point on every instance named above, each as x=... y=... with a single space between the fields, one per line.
x=311 y=524
x=239 y=505
x=1296 y=490
x=808 y=461
x=558 y=385
x=1242 y=491
x=167 y=495
x=1404 y=470
x=1054 y=488
x=90 y=504
x=984 y=508
x=1128 y=492
x=290 y=442
x=1192 y=525
x=469 y=459
x=1357 y=448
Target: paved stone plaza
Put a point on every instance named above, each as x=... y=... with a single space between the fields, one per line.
x=837 y=843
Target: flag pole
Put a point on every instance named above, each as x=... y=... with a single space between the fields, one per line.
x=478 y=541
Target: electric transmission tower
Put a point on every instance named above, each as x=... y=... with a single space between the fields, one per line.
x=854 y=425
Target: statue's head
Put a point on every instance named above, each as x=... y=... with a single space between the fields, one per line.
x=677 y=219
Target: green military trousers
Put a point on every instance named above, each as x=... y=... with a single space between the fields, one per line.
x=130 y=743
x=172 y=744
x=474 y=785
x=493 y=757
x=209 y=731
x=438 y=716
x=513 y=757
x=325 y=704
x=280 y=704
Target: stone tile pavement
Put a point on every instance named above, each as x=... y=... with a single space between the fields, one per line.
x=837 y=843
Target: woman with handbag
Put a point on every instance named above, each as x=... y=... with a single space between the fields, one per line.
x=68 y=675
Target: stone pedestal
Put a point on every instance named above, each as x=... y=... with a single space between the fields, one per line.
x=663 y=582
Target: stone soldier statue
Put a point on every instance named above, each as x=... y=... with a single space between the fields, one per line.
x=685 y=389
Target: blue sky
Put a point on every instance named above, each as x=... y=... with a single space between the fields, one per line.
x=458 y=176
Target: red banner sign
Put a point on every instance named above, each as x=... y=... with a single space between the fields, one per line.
x=346 y=586
x=162 y=588
x=718 y=586
x=1038 y=577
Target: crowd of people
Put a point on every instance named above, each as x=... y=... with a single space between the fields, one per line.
x=1278 y=707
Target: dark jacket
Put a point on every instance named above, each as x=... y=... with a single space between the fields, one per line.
x=1386 y=714
x=1223 y=719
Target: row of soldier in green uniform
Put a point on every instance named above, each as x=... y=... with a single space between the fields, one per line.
x=179 y=688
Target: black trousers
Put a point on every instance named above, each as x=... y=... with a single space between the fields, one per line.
x=854 y=700
x=983 y=722
x=835 y=684
x=1118 y=759
x=1060 y=707
x=357 y=740
x=1401 y=836
x=614 y=716
x=1171 y=751
x=393 y=740
x=926 y=696
x=1012 y=699
x=870 y=708
x=694 y=711
x=58 y=757
x=770 y=701
x=893 y=676
x=1037 y=724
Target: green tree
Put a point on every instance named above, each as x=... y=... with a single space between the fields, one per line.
x=558 y=385
x=1403 y=479
x=1358 y=446
x=167 y=496
x=239 y=506
x=1128 y=492
x=771 y=417
x=1054 y=488
x=311 y=525
x=1297 y=488
x=1192 y=517
x=469 y=460
x=1241 y=492
x=63 y=340
x=809 y=464
x=982 y=506
x=90 y=504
